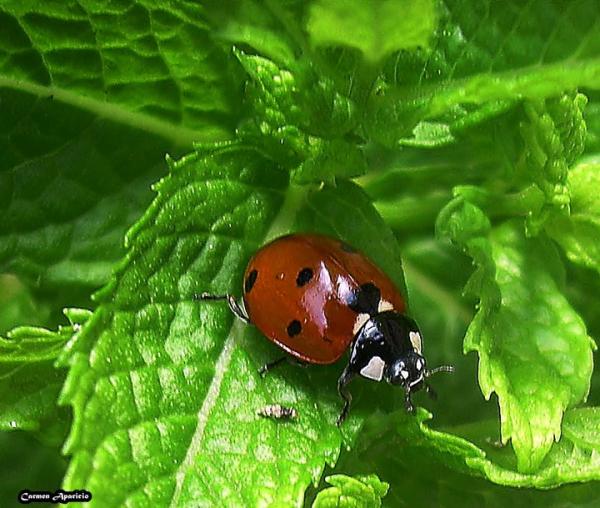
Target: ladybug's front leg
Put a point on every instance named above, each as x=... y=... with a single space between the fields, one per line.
x=343 y=381
x=271 y=365
x=430 y=391
x=408 y=402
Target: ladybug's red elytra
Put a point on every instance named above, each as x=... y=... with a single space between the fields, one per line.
x=314 y=296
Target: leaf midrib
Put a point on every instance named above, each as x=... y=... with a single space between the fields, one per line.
x=177 y=134
x=523 y=82
x=281 y=224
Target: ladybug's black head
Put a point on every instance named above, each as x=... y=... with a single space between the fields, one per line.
x=408 y=371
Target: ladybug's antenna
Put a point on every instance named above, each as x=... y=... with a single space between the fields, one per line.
x=441 y=368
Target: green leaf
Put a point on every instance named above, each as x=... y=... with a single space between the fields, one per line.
x=535 y=160
x=327 y=113
x=577 y=233
x=68 y=207
x=29 y=381
x=359 y=492
x=332 y=159
x=581 y=427
x=165 y=389
x=84 y=58
x=268 y=27
x=286 y=122
x=92 y=98
x=592 y=120
x=583 y=291
x=376 y=28
x=276 y=116
x=541 y=367
x=554 y=135
x=448 y=467
x=485 y=53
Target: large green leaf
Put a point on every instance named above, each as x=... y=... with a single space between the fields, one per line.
x=165 y=390
x=119 y=62
x=91 y=98
x=489 y=54
x=543 y=365
x=376 y=28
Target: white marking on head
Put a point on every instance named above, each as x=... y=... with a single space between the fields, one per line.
x=404 y=373
x=384 y=305
x=374 y=369
x=415 y=340
x=361 y=319
x=419 y=364
x=417 y=381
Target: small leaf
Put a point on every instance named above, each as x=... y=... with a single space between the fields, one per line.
x=578 y=233
x=29 y=380
x=553 y=134
x=285 y=122
x=327 y=113
x=376 y=28
x=582 y=427
x=359 y=492
x=275 y=123
x=331 y=159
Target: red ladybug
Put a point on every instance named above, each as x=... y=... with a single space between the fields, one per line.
x=313 y=296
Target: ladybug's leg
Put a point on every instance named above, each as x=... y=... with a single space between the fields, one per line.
x=269 y=366
x=407 y=402
x=235 y=307
x=430 y=391
x=343 y=381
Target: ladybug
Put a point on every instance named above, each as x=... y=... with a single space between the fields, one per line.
x=315 y=296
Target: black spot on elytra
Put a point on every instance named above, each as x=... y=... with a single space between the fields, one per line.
x=347 y=248
x=250 y=280
x=365 y=299
x=294 y=328
x=304 y=277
